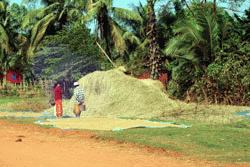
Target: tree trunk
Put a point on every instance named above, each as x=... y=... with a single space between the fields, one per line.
x=104 y=28
x=214 y=7
x=154 y=49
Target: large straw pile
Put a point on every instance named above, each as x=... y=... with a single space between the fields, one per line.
x=114 y=94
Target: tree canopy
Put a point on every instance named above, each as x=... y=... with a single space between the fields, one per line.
x=202 y=45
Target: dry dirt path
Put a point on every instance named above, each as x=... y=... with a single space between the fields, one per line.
x=32 y=146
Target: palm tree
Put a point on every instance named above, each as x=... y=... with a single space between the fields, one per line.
x=109 y=30
x=8 y=36
x=137 y=38
x=154 y=49
x=135 y=22
x=196 y=39
x=49 y=19
x=4 y=36
x=18 y=46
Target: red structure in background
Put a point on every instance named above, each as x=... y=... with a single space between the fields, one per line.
x=163 y=77
x=14 y=77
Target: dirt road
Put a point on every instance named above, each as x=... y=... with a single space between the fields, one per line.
x=33 y=146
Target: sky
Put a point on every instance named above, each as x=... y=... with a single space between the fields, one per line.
x=129 y=3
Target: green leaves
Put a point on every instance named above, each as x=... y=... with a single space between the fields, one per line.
x=125 y=14
x=129 y=36
x=70 y=53
x=38 y=32
x=4 y=40
x=2 y=6
x=196 y=39
x=35 y=15
x=117 y=35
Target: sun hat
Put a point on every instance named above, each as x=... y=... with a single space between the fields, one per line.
x=76 y=84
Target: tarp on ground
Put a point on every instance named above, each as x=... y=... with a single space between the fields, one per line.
x=90 y=123
x=104 y=123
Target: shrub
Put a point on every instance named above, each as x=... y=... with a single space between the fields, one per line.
x=226 y=81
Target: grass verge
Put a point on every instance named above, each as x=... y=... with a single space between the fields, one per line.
x=36 y=104
x=24 y=120
x=222 y=142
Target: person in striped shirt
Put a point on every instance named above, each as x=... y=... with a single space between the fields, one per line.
x=79 y=105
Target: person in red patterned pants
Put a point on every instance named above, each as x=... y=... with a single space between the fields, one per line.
x=58 y=100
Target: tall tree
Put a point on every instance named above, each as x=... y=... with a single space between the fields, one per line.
x=49 y=20
x=10 y=37
x=154 y=49
x=4 y=35
x=196 y=38
x=108 y=29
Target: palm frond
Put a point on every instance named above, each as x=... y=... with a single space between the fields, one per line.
x=212 y=29
x=144 y=44
x=108 y=3
x=4 y=39
x=125 y=14
x=117 y=36
x=34 y=15
x=91 y=15
x=173 y=46
x=2 y=6
x=129 y=36
x=39 y=30
x=189 y=29
x=89 y=4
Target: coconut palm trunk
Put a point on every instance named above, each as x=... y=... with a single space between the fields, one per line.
x=214 y=7
x=154 y=49
x=105 y=28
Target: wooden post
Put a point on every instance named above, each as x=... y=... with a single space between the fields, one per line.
x=105 y=54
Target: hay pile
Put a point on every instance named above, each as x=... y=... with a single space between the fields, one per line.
x=114 y=94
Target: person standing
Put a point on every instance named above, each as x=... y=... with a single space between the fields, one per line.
x=58 y=100
x=79 y=105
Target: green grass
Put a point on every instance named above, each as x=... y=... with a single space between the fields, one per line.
x=36 y=104
x=6 y=100
x=224 y=143
x=23 y=120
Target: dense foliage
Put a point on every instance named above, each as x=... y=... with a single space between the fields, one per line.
x=202 y=46
x=67 y=55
